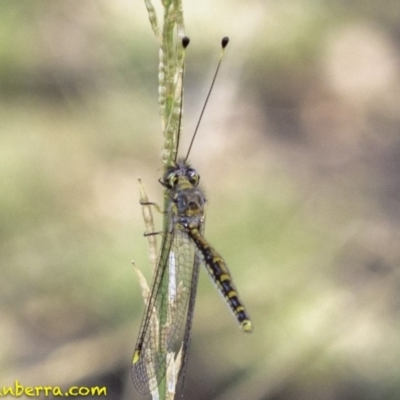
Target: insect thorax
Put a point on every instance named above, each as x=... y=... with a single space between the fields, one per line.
x=188 y=207
x=186 y=198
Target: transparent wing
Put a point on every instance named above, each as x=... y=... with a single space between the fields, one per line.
x=165 y=312
x=190 y=312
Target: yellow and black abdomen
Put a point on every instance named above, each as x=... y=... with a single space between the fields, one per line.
x=218 y=270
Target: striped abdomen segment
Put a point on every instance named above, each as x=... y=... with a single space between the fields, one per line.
x=219 y=271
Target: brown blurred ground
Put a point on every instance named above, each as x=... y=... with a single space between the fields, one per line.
x=299 y=153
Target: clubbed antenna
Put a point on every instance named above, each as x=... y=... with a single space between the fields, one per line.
x=185 y=44
x=224 y=43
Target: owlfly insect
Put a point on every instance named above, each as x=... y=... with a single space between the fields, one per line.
x=168 y=317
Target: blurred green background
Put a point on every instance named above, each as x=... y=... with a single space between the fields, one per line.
x=299 y=154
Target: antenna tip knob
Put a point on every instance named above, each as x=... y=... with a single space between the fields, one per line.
x=224 y=42
x=185 y=42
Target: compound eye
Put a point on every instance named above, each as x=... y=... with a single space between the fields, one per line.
x=173 y=180
x=193 y=176
x=170 y=179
